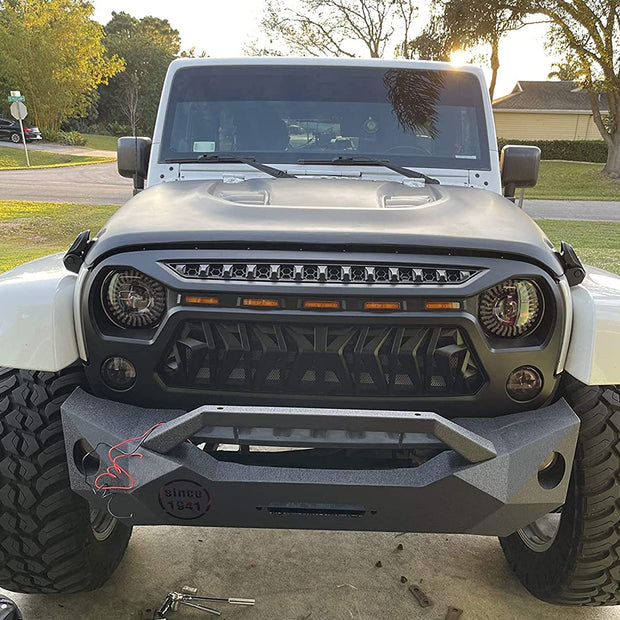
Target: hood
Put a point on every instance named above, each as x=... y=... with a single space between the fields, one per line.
x=342 y=213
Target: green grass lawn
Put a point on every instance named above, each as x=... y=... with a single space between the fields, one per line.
x=29 y=230
x=596 y=243
x=15 y=158
x=100 y=142
x=563 y=180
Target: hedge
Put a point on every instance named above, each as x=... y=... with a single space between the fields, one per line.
x=570 y=150
x=71 y=138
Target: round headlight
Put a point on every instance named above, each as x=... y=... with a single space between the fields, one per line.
x=132 y=299
x=511 y=309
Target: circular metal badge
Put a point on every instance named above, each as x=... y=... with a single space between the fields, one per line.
x=184 y=499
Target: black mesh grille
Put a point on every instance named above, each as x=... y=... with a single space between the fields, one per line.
x=330 y=274
x=323 y=359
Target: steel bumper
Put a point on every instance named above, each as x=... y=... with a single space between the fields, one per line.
x=485 y=481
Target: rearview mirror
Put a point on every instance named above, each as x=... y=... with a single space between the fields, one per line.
x=133 y=159
x=519 y=168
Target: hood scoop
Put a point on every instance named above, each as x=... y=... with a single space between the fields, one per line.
x=244 y=198
x=326 y=193
x=406 y=202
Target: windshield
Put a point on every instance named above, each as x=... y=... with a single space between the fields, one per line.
x=282 y=113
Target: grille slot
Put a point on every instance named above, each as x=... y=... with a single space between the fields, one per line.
x=323 y=359
x=328 y=273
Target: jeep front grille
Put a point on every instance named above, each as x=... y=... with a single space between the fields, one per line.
x=323 y=359
x=326 y=273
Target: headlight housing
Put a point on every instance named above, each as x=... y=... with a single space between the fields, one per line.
x=511 y=309
x=132 y=299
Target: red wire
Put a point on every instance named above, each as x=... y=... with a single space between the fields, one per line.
x=115 y=471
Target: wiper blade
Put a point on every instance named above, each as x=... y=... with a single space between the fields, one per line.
x=211 y=158
x=365 y=161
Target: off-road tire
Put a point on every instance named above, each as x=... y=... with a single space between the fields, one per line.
x=582 y=565
x=16 y=138
x=47 y=541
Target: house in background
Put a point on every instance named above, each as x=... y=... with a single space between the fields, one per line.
x=549 y=110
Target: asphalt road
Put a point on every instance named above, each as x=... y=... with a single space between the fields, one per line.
x=101 y=184
x=91 y=184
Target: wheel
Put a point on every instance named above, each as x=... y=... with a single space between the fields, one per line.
x=50 y=539
x=572 y=556
x=16 y=138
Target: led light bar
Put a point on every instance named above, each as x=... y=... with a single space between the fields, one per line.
x=382 y=305
x=201 y=301
x=443 y=305
x=321 y=305
x=260 y=303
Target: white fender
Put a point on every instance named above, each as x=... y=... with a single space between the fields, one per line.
x=594 y=350
x=36 y=316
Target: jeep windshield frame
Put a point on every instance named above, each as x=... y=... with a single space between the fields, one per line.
x=419 y=118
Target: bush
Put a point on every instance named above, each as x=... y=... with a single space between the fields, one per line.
x=118 y=129
x=570 y=150
x=71 y=138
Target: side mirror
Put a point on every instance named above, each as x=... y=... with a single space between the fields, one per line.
x=519 y=168
x=133 y=159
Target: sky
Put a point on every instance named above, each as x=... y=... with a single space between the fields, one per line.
x=223 y=27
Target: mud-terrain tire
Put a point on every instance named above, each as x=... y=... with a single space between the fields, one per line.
x=581 y=565
x=49 y=541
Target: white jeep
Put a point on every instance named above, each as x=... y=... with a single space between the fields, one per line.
x=318 y=259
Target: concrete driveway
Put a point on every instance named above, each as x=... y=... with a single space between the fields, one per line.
x=101 y=184
x=309 y=575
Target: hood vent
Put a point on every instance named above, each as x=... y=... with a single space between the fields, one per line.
x=244 y=198
x=327 y=273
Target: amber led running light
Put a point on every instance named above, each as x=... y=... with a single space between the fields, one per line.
x=197 y=300
x=382 y=305
x=321 y=305
x=443 y=305
x=260 y=303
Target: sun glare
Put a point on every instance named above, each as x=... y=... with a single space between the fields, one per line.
x=459 y=57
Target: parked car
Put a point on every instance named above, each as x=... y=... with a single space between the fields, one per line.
x=372 y=294
x=10 y=130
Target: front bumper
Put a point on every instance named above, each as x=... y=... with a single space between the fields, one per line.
x=485 y=481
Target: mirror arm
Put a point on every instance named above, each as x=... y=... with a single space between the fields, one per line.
x=509 y=191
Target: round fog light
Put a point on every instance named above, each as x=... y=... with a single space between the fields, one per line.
x=118 y=373
x=524 y=383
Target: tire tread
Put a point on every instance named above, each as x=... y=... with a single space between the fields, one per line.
x=46 y=544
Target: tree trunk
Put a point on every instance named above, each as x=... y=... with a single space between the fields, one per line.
x=494 y=64
x=612 y=167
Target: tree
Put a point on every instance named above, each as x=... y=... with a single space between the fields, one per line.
x=336 y=27
x=464 y=24
x=589 y=32
x=147 y=46
x=52 y=51
x=433 y=43
x=569 y=69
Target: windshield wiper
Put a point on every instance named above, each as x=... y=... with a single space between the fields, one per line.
x=211 y=158
x=364 y=161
